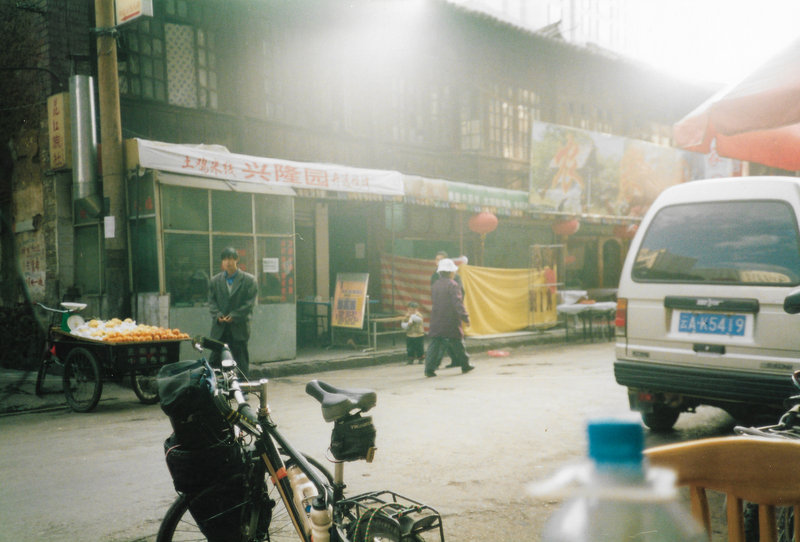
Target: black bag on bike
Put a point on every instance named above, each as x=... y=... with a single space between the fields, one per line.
x=224 y=486
x=352 y=438
x=186 y=389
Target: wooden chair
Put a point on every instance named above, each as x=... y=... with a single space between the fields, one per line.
x=759 y=470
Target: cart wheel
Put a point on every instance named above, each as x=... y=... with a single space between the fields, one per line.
x=145 y=387
x=82 y=381
x=44 y=364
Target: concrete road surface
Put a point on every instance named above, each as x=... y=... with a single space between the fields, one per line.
x=465 y=444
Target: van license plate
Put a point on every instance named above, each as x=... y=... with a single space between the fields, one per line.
x=733 y=325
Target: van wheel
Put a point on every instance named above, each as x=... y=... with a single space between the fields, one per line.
x=662 y=418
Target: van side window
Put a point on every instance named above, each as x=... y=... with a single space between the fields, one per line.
x=734 y=242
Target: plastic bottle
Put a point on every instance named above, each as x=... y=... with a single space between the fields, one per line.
x=320 y=521
x=615 y=497
x=303 y=491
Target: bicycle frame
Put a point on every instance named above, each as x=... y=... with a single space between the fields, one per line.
x=268 y=443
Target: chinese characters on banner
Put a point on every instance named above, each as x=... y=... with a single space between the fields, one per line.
x=349 y=300
x=216 y=163
x=59 y=131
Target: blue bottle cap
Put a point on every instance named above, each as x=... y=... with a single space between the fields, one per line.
x=615 y=441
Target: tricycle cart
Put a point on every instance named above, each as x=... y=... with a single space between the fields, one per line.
x=87 y=363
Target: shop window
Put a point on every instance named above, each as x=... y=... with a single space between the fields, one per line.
x=273 y=215
x=276 y=270
x=193 y=242
x=243 y=246
x=184 y=208
x=187 y=268
x=88 y=259
x=231 y=212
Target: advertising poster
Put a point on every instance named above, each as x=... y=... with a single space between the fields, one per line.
x=349 y=300
x=577 y=171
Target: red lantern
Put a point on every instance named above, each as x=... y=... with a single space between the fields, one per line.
x=566 y=227
x=483 y=223
x=625 y=231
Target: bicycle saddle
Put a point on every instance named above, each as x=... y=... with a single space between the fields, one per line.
x=338 y=402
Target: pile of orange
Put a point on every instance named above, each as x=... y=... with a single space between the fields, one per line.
x=145 y=333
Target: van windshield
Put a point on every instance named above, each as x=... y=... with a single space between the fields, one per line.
x=734 y=242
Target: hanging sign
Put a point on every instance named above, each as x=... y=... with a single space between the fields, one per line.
x=129 y=10
x=59 y=131
x=349 y=300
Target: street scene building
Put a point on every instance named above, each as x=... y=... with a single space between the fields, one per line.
x=322 y=139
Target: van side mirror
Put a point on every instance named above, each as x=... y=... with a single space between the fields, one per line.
x=792 y=302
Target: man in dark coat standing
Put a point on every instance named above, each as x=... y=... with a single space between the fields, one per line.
x=447 y=316
x=232 y=296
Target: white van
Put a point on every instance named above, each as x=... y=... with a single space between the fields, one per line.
x=700 y=313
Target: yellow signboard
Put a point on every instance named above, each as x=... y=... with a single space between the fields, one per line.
x=59 y=130
x=349 y=300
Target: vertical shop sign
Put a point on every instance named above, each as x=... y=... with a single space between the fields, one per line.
x=349 y=300
x=59 y=131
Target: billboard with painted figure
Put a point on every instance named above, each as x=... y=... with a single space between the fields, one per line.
x=577 y=171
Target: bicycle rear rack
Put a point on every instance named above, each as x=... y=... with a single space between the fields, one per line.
x=412 y=517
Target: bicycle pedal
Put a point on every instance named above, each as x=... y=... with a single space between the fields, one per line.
x=371 y=454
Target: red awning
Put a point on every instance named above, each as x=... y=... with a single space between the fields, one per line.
x=757 y=119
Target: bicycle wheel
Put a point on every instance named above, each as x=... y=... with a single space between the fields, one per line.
x=178 y=524
x=144 y=385
x=82 y=382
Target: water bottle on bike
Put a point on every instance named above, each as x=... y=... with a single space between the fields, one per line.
x=615 y=497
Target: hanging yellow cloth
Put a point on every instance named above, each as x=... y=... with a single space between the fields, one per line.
x=506 y=300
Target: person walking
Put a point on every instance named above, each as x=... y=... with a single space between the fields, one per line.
x=415 y=333
x=232 y=296
x=447 y=316
x=439 y=257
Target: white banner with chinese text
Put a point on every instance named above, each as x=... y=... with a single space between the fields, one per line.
x=216 y=163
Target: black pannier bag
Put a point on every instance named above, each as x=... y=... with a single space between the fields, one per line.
x=186 y=389
x=352 y=438
x=203 y=458
x=215 y=482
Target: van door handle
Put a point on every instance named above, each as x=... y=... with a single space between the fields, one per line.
x=708 y=348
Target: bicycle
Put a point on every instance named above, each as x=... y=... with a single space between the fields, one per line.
x=788 y=427
x=271 y=491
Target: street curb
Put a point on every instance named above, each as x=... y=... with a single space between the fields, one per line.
x=17 y=387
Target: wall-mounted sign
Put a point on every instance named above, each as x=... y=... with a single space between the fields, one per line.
x=59 y=131
x=129 y=10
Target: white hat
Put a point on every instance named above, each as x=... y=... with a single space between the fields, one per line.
x=446 y=265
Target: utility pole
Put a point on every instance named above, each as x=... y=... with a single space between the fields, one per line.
x=115 y=224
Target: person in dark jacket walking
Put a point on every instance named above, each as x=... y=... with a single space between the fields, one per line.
x=447 y=316
x=232 y=296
